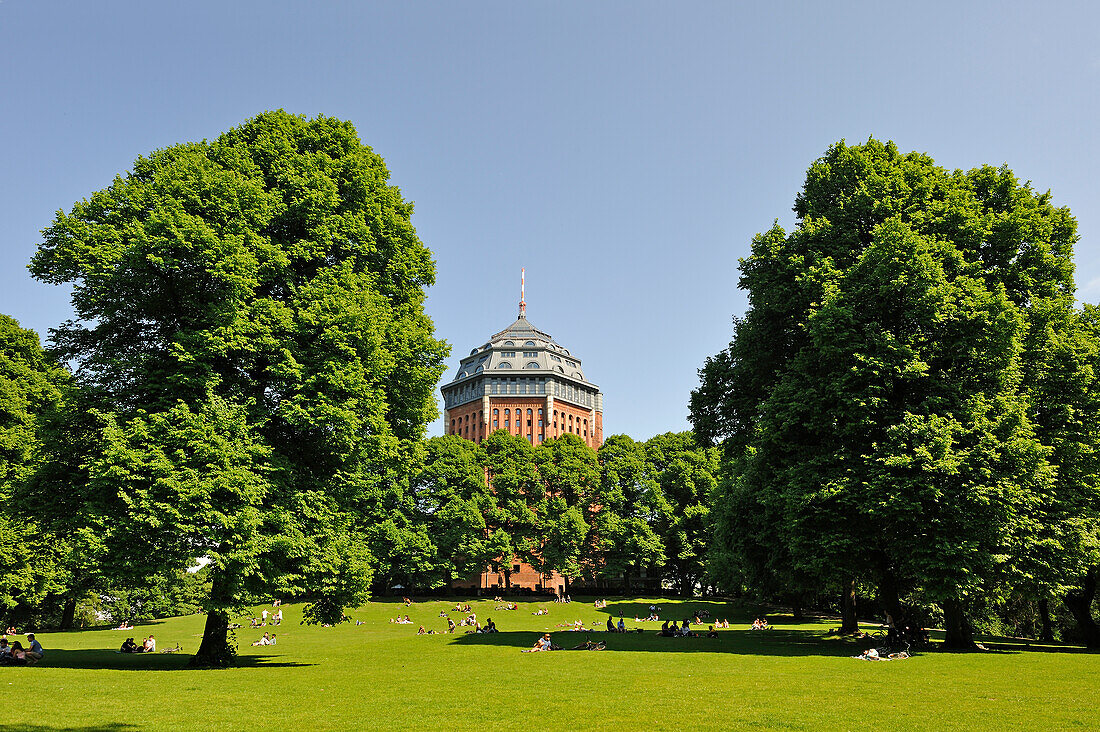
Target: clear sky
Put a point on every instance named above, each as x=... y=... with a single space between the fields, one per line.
x=623 y=152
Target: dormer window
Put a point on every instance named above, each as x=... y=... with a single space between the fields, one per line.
x=504 y=365
x=509 y=343
x=532 y=365
x=529 y=343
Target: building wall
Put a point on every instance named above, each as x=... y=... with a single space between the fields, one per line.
x=539 y=419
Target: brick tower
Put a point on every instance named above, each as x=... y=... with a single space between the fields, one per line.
x=524 y=382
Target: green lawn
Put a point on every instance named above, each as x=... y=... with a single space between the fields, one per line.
x=379 y=675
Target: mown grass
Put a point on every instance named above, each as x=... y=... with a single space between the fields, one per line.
x=382 y=676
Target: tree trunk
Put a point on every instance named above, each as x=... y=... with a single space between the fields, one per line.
x=959 y=636
x=215 y=650
x=1047 y=633
x=68 y=613
x=891 y=602
x=849 y=620
x=1079 y=603
x=507 y=580
x=796 y=610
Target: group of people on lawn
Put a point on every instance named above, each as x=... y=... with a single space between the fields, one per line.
x=14 y=654
x=147 y=645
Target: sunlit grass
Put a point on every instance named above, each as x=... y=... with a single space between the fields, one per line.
x=381 y=675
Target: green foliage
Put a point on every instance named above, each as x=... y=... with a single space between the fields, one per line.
x=250 y=327
x=909 y=399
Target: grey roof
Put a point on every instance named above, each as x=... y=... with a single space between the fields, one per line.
x=522 y=328
x=550 y=359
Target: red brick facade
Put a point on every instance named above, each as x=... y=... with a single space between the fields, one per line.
x=526 y=417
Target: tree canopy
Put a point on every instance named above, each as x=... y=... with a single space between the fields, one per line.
x=883 y=402
x=250 y=324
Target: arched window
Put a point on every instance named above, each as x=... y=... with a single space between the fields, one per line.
x=496 y=411
x=509 y=343
x=473 y=351
x=529 y=343
x=528 y=412
x=477 y=369
x=532 y=365
x=577 y=375
x=559 y=369
x=506 y=365
x=507 y=412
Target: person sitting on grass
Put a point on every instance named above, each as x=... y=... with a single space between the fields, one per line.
x=685 y=630
x=11 y=630
x=5 y=649
x=263 y=641
x=450 y=625
x=150 y=644
x=490 y=626
x=610 y=625
x=421 y=631
x=18 y=656
x=542 y=644
x=712 y=633
x=128 y=646
x=622 y=625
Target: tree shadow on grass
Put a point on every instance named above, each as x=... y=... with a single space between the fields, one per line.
x=27 y=727
x=743 y=642
x=99 y=659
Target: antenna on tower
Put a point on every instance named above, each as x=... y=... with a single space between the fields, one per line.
x=522 y=301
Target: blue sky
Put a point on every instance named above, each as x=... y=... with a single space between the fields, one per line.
x=623 y=152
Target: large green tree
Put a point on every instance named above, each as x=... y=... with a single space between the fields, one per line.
x=249 y=321
x=879 y=403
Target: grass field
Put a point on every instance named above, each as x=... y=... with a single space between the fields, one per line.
x=383 y=676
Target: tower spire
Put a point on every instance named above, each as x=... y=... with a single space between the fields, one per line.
x=522 y=301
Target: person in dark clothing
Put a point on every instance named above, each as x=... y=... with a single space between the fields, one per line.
x=128 y=646
x=610 y=625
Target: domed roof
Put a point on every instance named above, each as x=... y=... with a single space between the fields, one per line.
x=522 y=347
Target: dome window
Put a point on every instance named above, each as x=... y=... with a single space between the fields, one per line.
x=529 y=343
x=504 y=365
x=532 y=365
x=509 y=343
